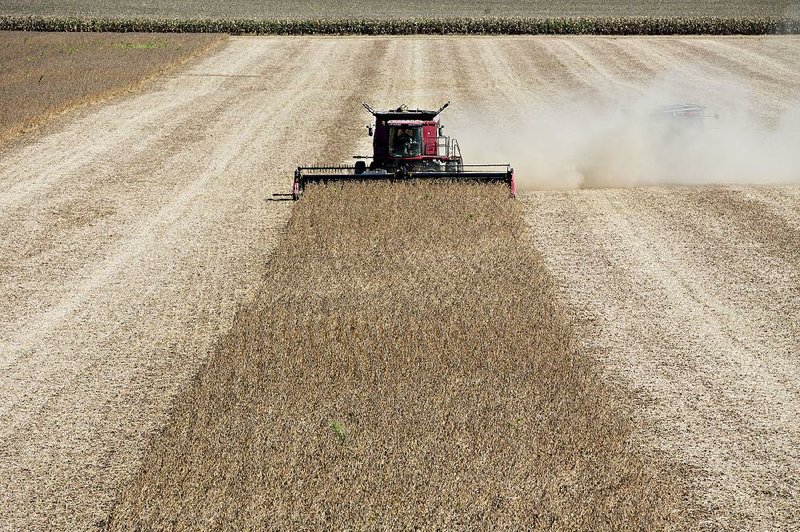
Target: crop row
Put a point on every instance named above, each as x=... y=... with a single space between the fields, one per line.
x=437 y=26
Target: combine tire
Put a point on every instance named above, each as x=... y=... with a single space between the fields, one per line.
x=361 y=167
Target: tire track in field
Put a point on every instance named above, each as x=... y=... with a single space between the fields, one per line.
x=86 y=282
x=85 y=201
x=67 y=164
x=731 y=56
x=734 y=67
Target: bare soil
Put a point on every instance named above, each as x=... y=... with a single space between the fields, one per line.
x=132 y=231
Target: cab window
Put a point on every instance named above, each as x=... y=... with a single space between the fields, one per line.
x=405 y=141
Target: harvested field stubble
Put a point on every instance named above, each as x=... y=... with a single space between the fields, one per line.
x=691 y=298
x=404 y=363
x=45 y=73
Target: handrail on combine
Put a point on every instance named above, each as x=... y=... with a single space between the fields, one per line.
x=456 y=149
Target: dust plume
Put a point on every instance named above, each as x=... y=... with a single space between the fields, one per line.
x=576 y=142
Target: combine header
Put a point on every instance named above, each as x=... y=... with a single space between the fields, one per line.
x=407 y=144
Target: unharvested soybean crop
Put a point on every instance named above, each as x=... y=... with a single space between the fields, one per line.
x=404 y=362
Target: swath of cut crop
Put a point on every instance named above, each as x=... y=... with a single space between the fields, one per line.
x=405 y=362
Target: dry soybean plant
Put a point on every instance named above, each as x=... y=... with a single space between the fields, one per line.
x=405 y=363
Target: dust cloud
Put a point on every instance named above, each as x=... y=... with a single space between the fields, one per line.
x=577 y=142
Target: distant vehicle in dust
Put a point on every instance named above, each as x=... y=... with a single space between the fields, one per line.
x=679 y=120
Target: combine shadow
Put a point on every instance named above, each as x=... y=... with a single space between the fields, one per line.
x=280 y=197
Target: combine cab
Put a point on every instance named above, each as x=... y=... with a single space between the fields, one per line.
x=407 y=144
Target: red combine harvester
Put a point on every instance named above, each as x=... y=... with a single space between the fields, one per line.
x=408 y=144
